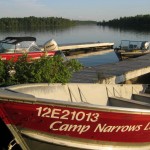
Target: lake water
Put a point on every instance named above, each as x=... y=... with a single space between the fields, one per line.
x=83 y=33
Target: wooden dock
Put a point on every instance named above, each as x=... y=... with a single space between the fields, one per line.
x=81 y=48
x=100 y=52
x=84 y=45
x=115 y=72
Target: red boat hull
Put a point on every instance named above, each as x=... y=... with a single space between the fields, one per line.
x=31 y=56
x=95 y=125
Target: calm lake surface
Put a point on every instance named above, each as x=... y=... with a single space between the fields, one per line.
x=83 y=33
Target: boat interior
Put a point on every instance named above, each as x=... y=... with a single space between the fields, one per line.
x=99 y=95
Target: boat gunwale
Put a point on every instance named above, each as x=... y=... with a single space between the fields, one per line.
x=35 y=100
x=82 y=105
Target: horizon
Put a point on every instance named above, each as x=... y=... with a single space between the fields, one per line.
x=73 y=19
x=83 y=10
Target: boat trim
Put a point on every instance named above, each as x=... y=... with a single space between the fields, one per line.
x=94 y=145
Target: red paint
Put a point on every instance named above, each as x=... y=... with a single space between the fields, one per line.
x=31 y=55
x=122 y=127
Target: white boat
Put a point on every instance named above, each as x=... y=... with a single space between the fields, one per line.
x=78 y=48
x=75 y=116
x=132 y=49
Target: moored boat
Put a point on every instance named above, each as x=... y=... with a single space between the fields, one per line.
x=76 y=116
x=132 y=49
x=12 y=48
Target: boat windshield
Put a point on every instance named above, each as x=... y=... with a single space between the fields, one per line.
x=134 y=45
x=24 y=46
x=7 y=48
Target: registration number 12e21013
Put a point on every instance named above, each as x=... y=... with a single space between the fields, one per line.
x=66 y=114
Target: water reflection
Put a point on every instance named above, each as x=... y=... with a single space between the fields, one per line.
x=95 y=60
x=126 y=29
x=81 y=33
x=35 y=29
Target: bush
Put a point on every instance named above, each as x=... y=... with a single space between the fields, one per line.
x=44 y=70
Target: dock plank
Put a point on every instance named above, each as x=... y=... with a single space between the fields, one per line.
x=114 y=72
x=84 y=45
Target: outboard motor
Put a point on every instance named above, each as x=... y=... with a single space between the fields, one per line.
x=145 y=45
x=50 y=45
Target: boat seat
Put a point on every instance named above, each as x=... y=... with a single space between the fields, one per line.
x=131 y=46
x=124 y=47
x=21 y=50
x=134 y=46
x=9 y=51
x=142 y=97
x=128 y=103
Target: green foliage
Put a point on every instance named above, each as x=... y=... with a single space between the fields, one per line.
x=44 y=70
x=32 y=23
x=139 y=21
x=2 y=71
x=7 y=72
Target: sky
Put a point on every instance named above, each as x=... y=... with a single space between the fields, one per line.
x=97 y=10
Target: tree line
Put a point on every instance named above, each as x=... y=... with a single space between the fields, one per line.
x=139 y=21
x=31 y=22
x=34 y=21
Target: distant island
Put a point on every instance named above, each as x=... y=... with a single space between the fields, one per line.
x=136 y=22
x=38 y=22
